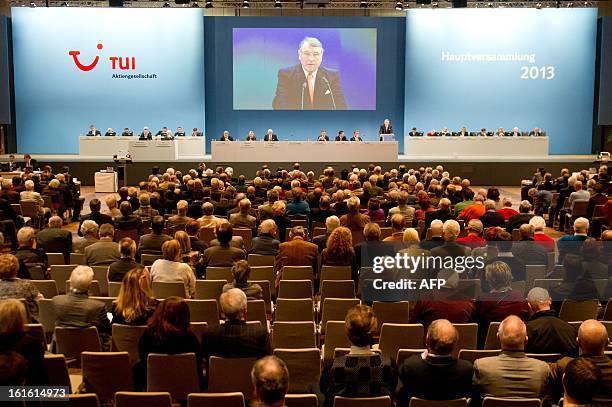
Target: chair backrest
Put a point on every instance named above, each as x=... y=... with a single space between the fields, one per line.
x=492 y=341
x=163 y=289
x=61 y=274
x=337 y=289
x=101 y=274
x=198 y=329
x=106 y=373
x=207 y=234
x=335 y=273
x=391 y=312
x=301 y=400
x=235 y=399
x=394 y=337
x=108 y=301
x=57 y=370
x=608 y=325
x=417 y=402
x=84 y=400
x=149 y=259
x=510 y=402
x=532 y=273
x=219 y=273
x=403 y=354
x=294 y=309
x=113 y=288
x=266 y=293
x=297 y=273
x=601 y=284
x=468 y=337
x=139 y=399
x=126 y=338
x=73 y=341
x=545 y=357
x=48 y=288
x=209 y=289
x=383 y=401
x=56 y=259
x=247 y=236
x=47 y=315
x=77 y=258
x=256 y=311
x=132 y=233
x=239 y=369
x=295 y=289
x=293 y=335
x=471 y=355
x=335 y=309
x=264 y=273
x=318 y=231
x=572 y=310
x=260 y=260
x=469 y=287
x=335 y=337
x=547 y=283
x=304 y=367
x=204 y=311
x=37 y=273
x=175 y=374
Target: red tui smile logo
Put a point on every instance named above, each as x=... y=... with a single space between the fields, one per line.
x=78 y=63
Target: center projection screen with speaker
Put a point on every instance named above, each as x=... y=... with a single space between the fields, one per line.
x=507 y=68
x=109 y=67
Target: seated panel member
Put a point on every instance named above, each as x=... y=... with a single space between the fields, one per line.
x=433 y=133
x=196 y=133
x=146 y=134
x=444 y=132
x=127 y=132
x=463 y=132
x=500 y=132
x=415 y=133
x=536 y=133
x=93 y=132
x=341 y=136
x=251 y=136
x=270 y=136
x=483 y=133
x=110 y=133
x=162 y=133
x=168 y=135
x=356 y=136
x=515 y=132
x=323 y=136
x=385 y=128
x=226 y=136
x=179 y=132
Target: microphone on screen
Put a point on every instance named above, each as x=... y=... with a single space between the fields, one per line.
x=303 y=88
x=331 y=93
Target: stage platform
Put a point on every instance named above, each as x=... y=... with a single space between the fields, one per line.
x=481 y=170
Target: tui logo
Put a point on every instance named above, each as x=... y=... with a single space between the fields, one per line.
x=78 y=63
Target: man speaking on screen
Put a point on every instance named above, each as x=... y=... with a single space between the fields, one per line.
x=308 y=85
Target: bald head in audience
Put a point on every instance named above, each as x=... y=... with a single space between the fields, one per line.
x=592 y=338
x=441 y=338
x=512 y=333
x=270 y=378
x=234 y=304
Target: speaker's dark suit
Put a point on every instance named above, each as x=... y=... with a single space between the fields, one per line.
x=383 y=130
x=292 y=86
x=97 y=133
x=267 y=138
x=146 y=137
x=229 y=138
x=110 y=134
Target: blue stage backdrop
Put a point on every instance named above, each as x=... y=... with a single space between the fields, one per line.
x=605 y=73
x=503 y=68
x=386 y=98
x=5 y=95
x=109 y=67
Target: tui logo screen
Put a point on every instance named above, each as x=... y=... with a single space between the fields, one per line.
x=121 y=63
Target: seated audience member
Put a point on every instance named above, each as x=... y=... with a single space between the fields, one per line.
x=151 y=243
x=89 y=233
x=297 y=251
x=526 y=249
x=13 y=287
x=474 y=211
x=581 y=380
x=282 y=221
x=331 y=223
x=353 y=219
x=361 y=372
x=265 y=209
x=236 y=241
x=444 y=303
x=168 y=332
x=412 y=248
x=512 y=373
x=192 y=229
x=402 y=208
x=241 y=272
x=436 y=375
x=443 y=213
x=548 y=333
x=372 y=246
x=95 y=205
x=30 y=195
x=504 y=254
x=54 y=239
x=593 y=261
x=14 y=338
x=171 y=269
x=128 y=194
x=135 y=303
x=235 y=338
x=492 y=218
x=467 y=199
x=397 y=229
x=507 y=211
x=242 y=219
x=297 y=206
x=473 y=238
x=524 y=216
x=145 y=211
x=598 y=198
x=223 y=250
x=28 y=254
x=127 y=220
x=111 y=202
x=105 y=251
x=339 y=250
x=450 y=247
x=437 y=238
x=208 y=220
x=324 y=210
x=501 y=301
x=266 y=243
x=592 y=341
x=539 y=226
x=270 y=378
x=374 y=211
x=575 y=285
x=118 y=269
x=181 y=218
x=76 y=310
x=572 y=243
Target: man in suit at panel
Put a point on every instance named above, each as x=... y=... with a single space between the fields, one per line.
x=179 y=132
x=251 y=136
x=323 y=136
x=464 y=132
x=146 y=134
x=385 y=128
x=341 y=136
x=536 y=133
x=270 y=136
x=356 y=136
x=28 y=161
x=54 y=239
x=226 y=136
x=110 y=133
x=127 y=132
x=93 y=132
x=308 y=85
x=512 y=373
x=415 y=133
x=162 y=133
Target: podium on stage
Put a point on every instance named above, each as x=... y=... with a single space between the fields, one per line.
x=122 y=159
x=387 y=137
